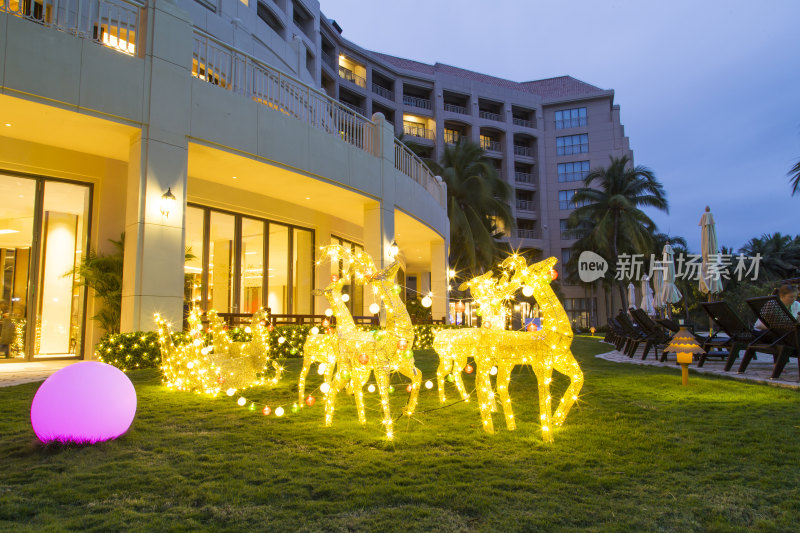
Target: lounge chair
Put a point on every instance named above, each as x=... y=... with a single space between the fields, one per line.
x=656 y=336
x=740 y=335
x=782 y=337
x=634 y=336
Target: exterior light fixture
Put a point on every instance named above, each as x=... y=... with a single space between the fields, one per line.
x=393 y=250
x=683 y=344
x=167 y=201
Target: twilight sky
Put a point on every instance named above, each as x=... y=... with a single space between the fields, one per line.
x=709 y=91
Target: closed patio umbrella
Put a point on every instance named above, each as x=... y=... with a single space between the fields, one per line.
x=647 y=296
x=709 y=284
x=669 y=292
x=631 y=295
x=658 y=285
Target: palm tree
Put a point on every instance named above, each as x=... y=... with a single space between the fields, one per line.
x=610 y=215
x=794 y=178
x=477 y=205
x=780 y=255
x=103 y=274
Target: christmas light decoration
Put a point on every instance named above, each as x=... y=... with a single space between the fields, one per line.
x=545 y=349
x=380 y=352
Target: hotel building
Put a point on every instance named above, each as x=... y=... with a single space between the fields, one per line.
x=274 y=135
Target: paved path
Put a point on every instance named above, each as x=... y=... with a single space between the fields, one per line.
x=758 y=371
x=18 y=373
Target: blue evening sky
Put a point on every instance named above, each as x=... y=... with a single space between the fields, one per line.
x=709 y=91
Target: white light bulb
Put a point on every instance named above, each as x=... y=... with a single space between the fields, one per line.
x=493 y=371
x=429 y=384
x=374 y=309
x=281 y=340
x=315 y=330
x=371 y=388
x=324 y=388
x=241 y=401
x=345 y=297
x=321 y=369
x=426 y=301
x=527 y=291
x=279 y=411
x=329 y=312
x=230 y=392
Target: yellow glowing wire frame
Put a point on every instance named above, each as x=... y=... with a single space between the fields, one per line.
x=387 y=351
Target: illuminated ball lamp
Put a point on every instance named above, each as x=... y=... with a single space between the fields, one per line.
x=84 y=403
x=684 y=345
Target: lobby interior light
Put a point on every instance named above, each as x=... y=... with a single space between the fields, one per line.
x=167 y=202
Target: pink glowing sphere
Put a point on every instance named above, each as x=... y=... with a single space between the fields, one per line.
x=85 y=402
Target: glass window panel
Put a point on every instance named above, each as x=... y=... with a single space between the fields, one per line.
x=303 y=271
x=278 y=278
x=59 y=317
x=16 y=237
x=252 y=275
x=221 y=262
x=193 y=267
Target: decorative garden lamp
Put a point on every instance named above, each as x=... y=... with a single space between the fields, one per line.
x=684 y=345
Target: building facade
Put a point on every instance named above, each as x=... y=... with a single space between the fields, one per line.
x=274 y=135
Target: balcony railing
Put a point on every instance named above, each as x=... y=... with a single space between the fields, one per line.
x=523 y=150
x=488 y=115
x=241 y=73
x=491 y=146
x=524 y=177
x=418 y=131
x=523 y=122
x=453 y=138
x=328 y=60
x=453 y=108
x=352 y=77
x=356 y=108
x=528 y=233
x=411 y=165
x=526 y=205
x=413 y=101
x=111 y=23
x=383 y=91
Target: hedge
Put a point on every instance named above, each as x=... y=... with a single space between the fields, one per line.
x=140 y=349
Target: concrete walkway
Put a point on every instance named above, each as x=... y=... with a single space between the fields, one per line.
x=758 y=371
x=18 y=373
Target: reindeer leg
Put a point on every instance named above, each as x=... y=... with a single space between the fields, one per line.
x=503 y=379
x=484 y=403
x=571 y=369
x=544 y=376
x=411 y=372
x=458 y=367
x=382 y=377
x=445 y=364
x=308 y=358
x=360 y=377
x=330 y=400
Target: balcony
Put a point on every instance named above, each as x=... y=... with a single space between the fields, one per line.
x=327 y=59
x=352 y=77
x=526 y=205
x=418 y=131
x=413 y=101
x=356 y=108
x=453 y=137
x=523 y=150
x=528 y=233
x=383 y=91
x=492 y=146
x=488 y=115
x=525 y=177
x=452 y=108
x=523 y=122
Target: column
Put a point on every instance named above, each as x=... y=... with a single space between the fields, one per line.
x=439 y=279
x=154 y=244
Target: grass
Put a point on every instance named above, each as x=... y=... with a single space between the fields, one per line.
x=640 y=453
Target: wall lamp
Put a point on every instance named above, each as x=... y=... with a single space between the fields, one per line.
x=167 y=202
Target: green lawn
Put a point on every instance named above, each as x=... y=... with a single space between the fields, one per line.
x=639 y=453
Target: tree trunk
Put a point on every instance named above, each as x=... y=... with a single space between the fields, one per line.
x=622 y=296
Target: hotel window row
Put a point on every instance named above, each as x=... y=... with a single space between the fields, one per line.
x=571 y=118
x=576 y=171
x=238 y=264
x=572 y=144
x=565 y=200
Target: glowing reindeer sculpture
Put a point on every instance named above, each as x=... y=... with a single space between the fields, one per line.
x=387 y=351
x=323 y=348
x=545 y=350
x=454 y=345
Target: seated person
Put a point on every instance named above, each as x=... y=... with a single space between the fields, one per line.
x=788 y=295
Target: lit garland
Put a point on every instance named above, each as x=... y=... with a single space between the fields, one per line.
x=498 y=351
x=17 y=348
x=381 y=352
